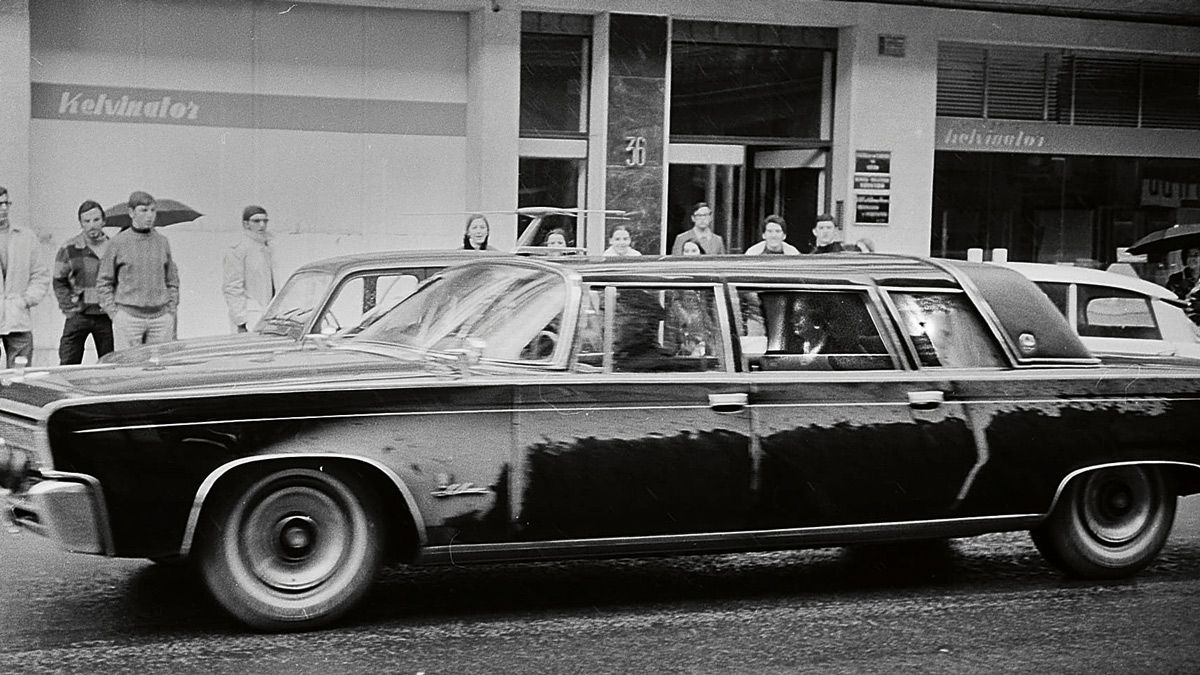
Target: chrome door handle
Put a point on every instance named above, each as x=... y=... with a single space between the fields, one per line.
x=926 y=400
x=728 y=403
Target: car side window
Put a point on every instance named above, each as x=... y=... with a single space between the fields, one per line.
x=357 y=295
x=946 y=330
x=810 y=330
x=1115 y=313
x=653 y=329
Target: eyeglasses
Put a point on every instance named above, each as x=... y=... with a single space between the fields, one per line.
x=5 y=202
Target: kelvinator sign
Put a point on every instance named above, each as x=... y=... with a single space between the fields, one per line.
x=88 y=103
x=963 y=134
x=993 y=140
x=76 y=103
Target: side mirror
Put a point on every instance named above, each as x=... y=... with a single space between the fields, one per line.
x=468 y=354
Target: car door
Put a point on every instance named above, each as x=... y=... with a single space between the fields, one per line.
x=854 y=413
x=649 y=431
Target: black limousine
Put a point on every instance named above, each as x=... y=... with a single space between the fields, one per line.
x=518 y=409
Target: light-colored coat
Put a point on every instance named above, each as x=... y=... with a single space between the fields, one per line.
x=26 y=281
x=249 y=279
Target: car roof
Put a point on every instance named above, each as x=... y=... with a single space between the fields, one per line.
x=850 y=268
x=1069 y=274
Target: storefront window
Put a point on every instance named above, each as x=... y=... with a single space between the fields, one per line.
x=1058 y=209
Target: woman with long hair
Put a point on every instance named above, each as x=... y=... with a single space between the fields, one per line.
x=475 y=236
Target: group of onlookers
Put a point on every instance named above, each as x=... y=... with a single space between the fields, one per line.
x=700 y=239
x=123 y=290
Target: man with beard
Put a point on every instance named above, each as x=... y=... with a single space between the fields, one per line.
x=75 y=268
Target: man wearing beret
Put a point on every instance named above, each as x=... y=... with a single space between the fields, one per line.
x=249 y=281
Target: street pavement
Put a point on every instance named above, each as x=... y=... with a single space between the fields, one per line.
x=987 y=604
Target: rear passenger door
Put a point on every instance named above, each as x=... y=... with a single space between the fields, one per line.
x=849 y=429
x=649 y=434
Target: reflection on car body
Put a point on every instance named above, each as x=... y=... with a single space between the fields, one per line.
x=516 y=409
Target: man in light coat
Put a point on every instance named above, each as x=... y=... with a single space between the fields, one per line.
x=249 y=280
x=24 y=279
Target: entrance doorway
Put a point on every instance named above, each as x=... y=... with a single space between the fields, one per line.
x=743 y=185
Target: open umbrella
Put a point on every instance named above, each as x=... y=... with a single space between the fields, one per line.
x=1175 y=237
x=169 y=213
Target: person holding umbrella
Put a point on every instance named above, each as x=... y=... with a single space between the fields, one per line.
x=24 y=279
x=1183 y=281
x=75 y=268
x=138 y=282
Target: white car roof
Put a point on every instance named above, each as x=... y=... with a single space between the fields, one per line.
x=1083 y=275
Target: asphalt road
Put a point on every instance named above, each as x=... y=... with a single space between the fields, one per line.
x=979 y=605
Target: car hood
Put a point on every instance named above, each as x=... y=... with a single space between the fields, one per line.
x=202 y=348
x=300 y=368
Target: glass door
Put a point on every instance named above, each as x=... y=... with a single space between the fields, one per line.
x=710 y=173
x=789 y=183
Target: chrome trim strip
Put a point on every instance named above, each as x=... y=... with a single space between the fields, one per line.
x=1060 y=371
x=169 y=425
x=603 y=408
x=34 y=414
x=189 y=532
x=1096 y=467
x=825 y=535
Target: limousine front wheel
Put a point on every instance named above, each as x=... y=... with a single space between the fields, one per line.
x=1108 y=523
x=291 y=549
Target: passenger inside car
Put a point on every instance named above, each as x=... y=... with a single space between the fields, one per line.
x=811 y=330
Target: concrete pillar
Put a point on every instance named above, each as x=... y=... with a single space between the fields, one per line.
x=14 y=106
x=493 y=119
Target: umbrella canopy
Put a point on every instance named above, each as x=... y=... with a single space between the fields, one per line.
x=169 y=213
x=1170 y=239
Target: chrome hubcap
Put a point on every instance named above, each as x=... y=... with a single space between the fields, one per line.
x=295 y=538
x=1118 y=505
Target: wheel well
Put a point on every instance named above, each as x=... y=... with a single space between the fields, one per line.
x=400 y=530
x=1182 y=479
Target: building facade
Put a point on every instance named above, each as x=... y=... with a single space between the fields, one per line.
x=1061 y=135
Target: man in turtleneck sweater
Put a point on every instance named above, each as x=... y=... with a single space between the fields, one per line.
x=249 y=271
x=138 y=282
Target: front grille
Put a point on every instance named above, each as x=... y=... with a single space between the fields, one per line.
x=23 y=451
x=19 y=433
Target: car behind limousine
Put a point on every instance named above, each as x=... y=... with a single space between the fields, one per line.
x=518 y=409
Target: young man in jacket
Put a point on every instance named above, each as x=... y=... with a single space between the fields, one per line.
x=249 y=271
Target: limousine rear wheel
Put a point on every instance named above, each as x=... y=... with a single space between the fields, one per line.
x=1108 y=523
x=292 y=549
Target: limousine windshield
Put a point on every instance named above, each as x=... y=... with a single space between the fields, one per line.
x=511 y=314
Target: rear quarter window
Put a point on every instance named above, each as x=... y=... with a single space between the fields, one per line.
x=1115 y=313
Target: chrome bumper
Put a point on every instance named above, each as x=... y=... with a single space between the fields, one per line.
x=66 y=508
